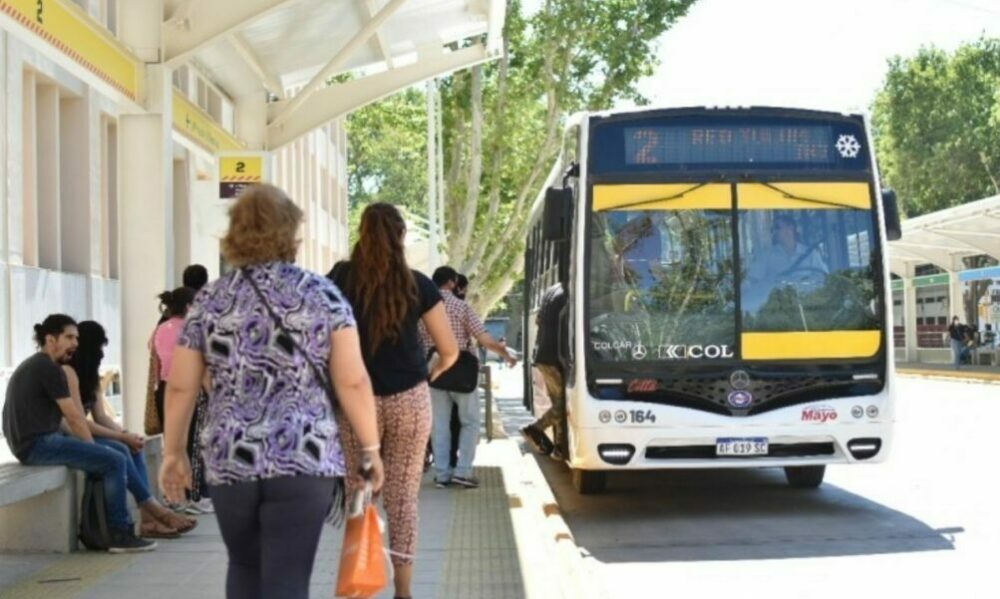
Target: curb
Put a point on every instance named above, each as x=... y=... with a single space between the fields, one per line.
x=551 y=562
x=939 y=375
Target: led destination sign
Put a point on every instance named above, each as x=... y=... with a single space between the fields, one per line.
x=730 y=145
x=711 y=143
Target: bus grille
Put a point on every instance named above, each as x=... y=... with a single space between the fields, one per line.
x=707 y=452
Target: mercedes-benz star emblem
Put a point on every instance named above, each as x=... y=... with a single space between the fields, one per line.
x=739 y=379
x=639 y=352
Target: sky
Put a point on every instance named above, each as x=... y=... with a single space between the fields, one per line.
x=828 y=54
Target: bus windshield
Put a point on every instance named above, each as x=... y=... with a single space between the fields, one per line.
x=666 y=284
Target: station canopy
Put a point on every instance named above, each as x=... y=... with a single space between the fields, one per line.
x=943 y=238
x=293 y=49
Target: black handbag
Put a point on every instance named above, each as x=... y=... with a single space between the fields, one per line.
x=462 y=377
x=94 y=533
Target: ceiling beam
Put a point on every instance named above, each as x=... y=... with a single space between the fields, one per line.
x=990 y=249
x=382 y=45
x=207 y=21
x=337 y=100
x=940 y=259
x=338 y=60
x=269 y=81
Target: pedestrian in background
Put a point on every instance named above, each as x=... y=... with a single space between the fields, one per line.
x=195 y=277
x=466 y=326
x=546 y=361
x=955 y=334
x=174 y=307
x=84 y=378
x=273 y=337
x=389 y=300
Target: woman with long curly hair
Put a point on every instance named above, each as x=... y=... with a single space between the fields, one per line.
x=389 y=299
x=84 y=378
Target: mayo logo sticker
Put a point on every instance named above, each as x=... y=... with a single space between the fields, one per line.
x=819 y=414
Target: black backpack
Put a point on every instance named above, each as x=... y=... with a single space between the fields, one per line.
x=94 y=533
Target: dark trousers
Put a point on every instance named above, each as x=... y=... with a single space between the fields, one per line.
x=271 y=529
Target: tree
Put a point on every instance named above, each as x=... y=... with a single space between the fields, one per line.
x=503 y=120
x=937 y=126
x=387 y=157
x=502 y=125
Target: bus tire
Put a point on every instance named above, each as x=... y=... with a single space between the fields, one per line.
x=805 y=477
x=589 y=482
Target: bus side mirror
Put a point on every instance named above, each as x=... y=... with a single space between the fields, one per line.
x=893 y=230
x=557 y=214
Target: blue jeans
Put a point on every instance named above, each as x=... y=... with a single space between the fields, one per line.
x=137 y=477
x=957 y=352
x=59 y=449
x=468 y=415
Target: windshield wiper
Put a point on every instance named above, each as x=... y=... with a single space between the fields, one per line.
x=676 y=196
x=792 y=196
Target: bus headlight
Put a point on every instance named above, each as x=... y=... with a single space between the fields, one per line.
x=617 y=454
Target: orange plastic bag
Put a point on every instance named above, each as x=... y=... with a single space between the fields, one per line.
x=362 y=563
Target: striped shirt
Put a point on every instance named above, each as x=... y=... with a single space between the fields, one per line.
x=465 y=324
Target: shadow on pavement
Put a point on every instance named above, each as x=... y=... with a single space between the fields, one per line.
x=724 y=515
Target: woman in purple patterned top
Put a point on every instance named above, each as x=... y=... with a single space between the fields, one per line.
x=270 y=442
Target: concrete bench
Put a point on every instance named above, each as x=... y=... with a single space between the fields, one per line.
x=39 y=505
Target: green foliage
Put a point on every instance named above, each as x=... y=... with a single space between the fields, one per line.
x=937 y=124
x=387 y=159
x=502 y=126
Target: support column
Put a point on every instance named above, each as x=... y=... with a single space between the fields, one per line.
x=146 y=223
x=910 y=313
x=956 y=301
x=251 y=120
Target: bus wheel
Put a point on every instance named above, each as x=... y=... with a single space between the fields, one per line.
x=805 y=477
x=589 y=482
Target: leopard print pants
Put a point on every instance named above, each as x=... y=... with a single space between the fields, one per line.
x=404 y=424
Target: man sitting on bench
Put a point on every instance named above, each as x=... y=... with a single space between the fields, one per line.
x=38 y=398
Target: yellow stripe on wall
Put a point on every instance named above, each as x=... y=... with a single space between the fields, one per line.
x=192 y=122
x=754 y=196
x=806 y=346
x=71 y=31
x=715 y=196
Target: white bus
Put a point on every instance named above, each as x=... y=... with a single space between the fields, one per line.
x=728 y=291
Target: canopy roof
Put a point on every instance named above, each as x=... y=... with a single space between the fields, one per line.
x=943 y=238
x=292 y=49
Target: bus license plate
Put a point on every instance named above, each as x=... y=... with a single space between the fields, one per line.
x=739 y=447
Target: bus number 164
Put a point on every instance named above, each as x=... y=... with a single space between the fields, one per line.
x=641 y=417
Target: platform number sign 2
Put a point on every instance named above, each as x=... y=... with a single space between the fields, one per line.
x=241 y=167
x=40 y=11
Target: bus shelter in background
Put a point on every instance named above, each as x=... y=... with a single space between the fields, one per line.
x=947 y=264
x=128 y=126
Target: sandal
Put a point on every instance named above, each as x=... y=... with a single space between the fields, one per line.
x=179 y=523
x=157 y=530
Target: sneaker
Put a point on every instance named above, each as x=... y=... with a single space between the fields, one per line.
x=196 y=508
x=442 y=483
x=538 y=440
x=125 y=541
x=469 y=482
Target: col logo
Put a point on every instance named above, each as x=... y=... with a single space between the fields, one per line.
x=819 y=414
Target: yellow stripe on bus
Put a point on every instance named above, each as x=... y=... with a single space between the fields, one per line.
x=805 y=346
x=715 y=196
x=754 y=196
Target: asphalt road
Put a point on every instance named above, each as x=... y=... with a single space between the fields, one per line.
x=923 y=524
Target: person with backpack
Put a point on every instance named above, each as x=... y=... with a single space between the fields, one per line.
x=84 y=378
x=38 y=399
